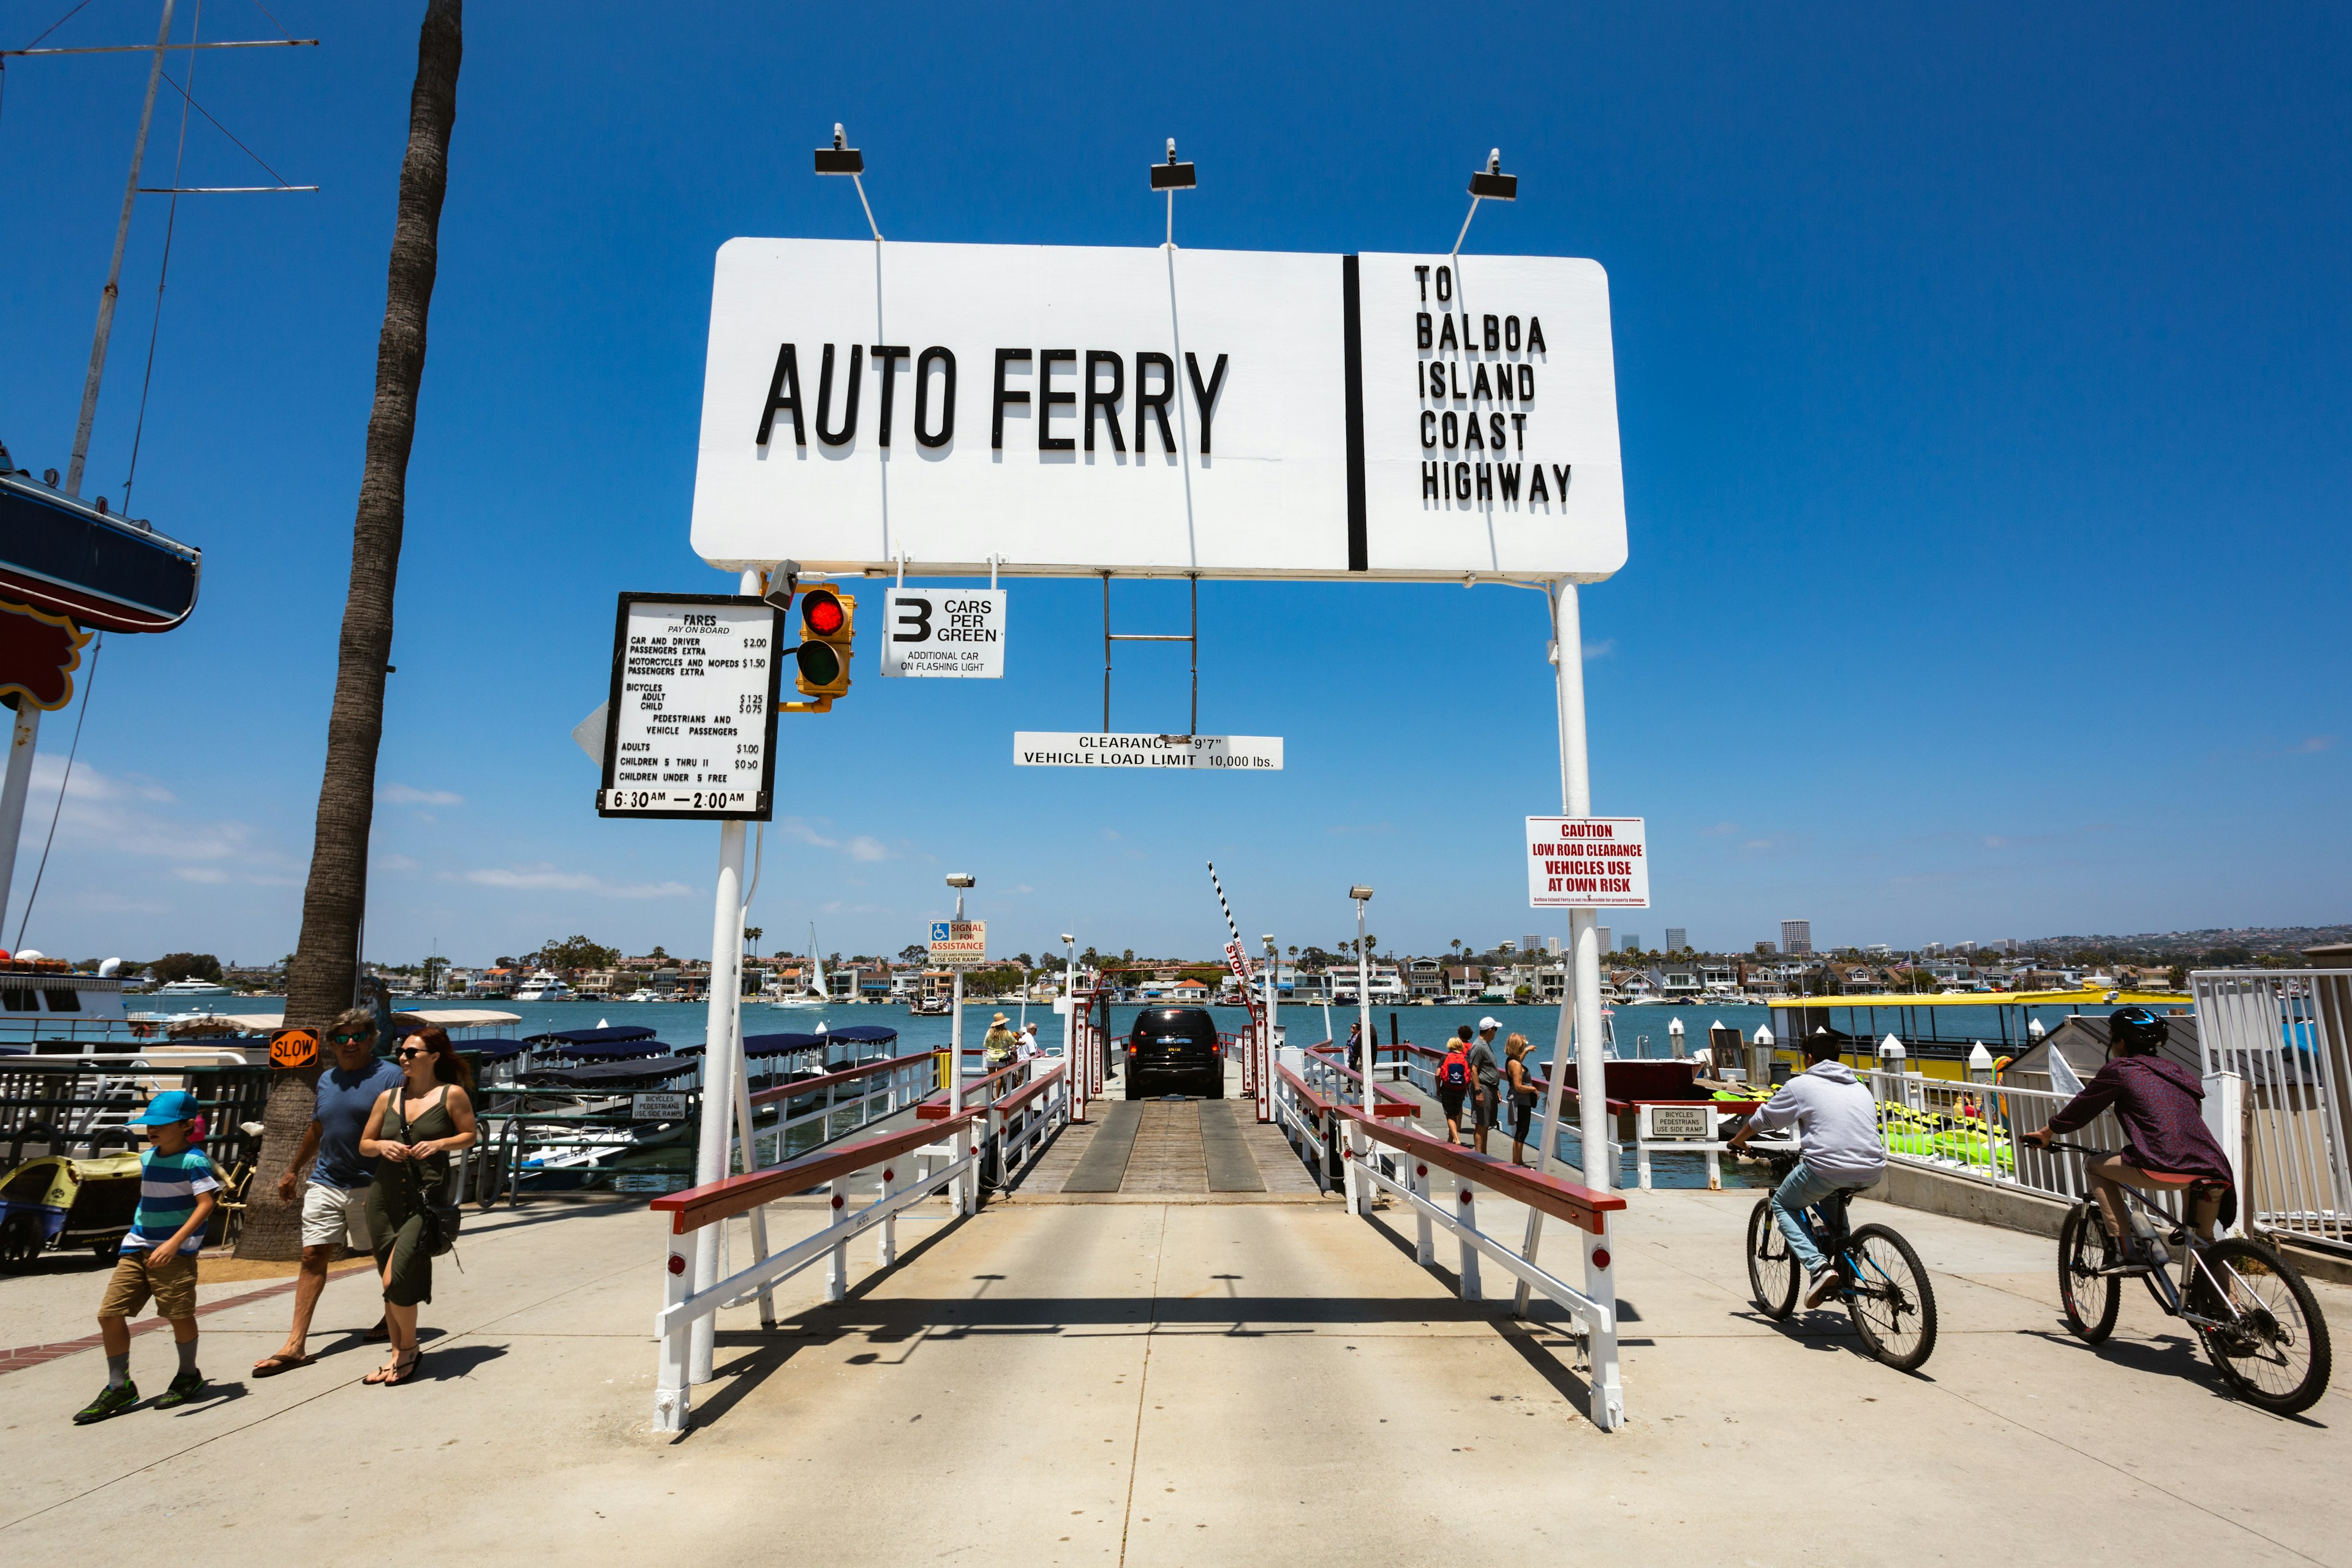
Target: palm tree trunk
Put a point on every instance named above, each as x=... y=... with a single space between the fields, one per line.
x=322 y=979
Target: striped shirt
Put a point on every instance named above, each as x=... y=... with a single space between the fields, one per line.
x=168 y=1186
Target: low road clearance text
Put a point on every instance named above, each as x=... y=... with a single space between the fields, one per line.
x=1587 y=863
x=1204 y=753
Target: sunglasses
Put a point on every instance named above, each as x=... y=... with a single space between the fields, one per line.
x=350 y=1039
x=406 y=1051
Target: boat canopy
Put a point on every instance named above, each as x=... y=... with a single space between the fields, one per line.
x=605 y=1036
x=605 y=1075
x=453 y=1018
x=61 y=554
x=779 y=1044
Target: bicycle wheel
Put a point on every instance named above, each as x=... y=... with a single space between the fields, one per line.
x=2278 y=1356
x=2090 y=1298
x=1890 y=1300
x=1771 y=1267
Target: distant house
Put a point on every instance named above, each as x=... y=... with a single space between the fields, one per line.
x=1677 y=980
x=1188 y=991
x=1425 y=976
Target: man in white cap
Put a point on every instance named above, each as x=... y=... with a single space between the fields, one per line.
x=1486 y=1080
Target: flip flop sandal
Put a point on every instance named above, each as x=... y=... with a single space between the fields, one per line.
x=270 y=1367
x=404 y=1370
x=384 y=1374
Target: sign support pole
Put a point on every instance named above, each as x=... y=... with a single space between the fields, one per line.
x=1583 y=1002
x=719 y=1067
x=22 y=737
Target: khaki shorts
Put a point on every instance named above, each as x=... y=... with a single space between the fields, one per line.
x=174 y=1286
x=331 y=1214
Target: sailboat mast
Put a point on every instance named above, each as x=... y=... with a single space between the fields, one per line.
x=114 y=268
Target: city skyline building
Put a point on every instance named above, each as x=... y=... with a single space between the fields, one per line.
x=1677 y=938
x=1796 y=937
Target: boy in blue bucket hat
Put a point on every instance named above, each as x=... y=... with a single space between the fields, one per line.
x=177 y=1194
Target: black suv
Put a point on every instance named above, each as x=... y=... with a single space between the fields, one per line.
x=1179 y=1044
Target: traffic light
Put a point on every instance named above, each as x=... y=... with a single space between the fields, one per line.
x=827 y=626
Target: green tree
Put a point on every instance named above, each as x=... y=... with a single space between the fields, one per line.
x=186 y=966
x=575 y=952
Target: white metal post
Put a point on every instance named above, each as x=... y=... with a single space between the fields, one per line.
x=673 y=1385
x=836 y=1262
x=1600 y=1284
x=1360 y=1192
x=886 y=1234
x=1266 y=1055
x=1466 y=1211
x=1584 y=988
x=22 y=736
x=1424 y=1231
x=718 y=1059
x=1080 y=1086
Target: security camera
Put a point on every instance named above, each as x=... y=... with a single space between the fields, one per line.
x=1359 y=892
x=1067 y=937
x=963 y=879
x=783 y=582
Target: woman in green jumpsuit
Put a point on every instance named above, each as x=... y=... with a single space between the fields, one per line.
x=410 y=1135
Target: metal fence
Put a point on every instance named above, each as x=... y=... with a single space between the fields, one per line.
x=2286 y=1035
x=1976 y=1130
x=83 y=1105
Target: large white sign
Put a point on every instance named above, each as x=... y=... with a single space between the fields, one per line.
x=1205 y=753
x=952 y=633
x=1068 y=409
x=1587 y=863
x=691 y=727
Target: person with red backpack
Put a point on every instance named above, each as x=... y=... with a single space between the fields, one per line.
x=1453 y=1082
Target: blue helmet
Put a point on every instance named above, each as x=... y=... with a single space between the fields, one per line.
x=2136 y=1032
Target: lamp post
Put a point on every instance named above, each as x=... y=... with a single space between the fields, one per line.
x=959 y=880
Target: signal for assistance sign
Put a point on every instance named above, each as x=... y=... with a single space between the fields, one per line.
x=1587 y=863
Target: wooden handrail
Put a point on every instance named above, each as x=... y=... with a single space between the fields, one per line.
x=698 y=1207
x=1579 y=1206
x=805 y=1085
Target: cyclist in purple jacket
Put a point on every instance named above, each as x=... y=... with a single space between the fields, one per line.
x=2166 y=1146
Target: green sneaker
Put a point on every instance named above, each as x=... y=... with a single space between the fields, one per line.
x=112 y=1400
x=186 y=1387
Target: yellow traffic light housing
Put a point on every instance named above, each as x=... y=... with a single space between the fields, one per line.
x=828 y=627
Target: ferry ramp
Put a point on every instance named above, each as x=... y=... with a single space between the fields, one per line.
x=1185 y=1377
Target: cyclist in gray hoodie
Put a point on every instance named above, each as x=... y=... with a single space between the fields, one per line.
x=1837 y=1129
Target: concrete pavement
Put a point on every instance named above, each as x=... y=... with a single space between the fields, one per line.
x=1179 y=1382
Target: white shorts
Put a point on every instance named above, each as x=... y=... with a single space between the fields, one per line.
x=331 y=1214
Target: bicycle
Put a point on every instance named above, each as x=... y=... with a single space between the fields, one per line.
x=2250 y=1306
x=1881 y=1280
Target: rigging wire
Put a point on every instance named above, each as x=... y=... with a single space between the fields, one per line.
x=88 y=689
x=171 y=223
x=63 y=20
x=273 y=21
x=219 y=127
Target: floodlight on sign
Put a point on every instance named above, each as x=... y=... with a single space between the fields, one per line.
x=840 y=158
x=1172 y=175
x=1490 y=183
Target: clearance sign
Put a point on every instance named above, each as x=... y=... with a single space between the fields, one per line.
x=960 y=409
x=1587 y=863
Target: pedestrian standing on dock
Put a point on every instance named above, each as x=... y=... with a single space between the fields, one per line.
x=1522 y=1091
x=158 y=1258
x=999 y=1048
x=334 y=1205
x=410 y=1136
x=1487 y=1088
x=1453 y=1081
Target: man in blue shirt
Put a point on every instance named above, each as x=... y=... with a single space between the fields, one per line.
x=334 y=1206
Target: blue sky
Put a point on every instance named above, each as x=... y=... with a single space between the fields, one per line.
x=1983 y=377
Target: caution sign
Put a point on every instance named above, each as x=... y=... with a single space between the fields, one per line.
x=293 y=1049
x=1587 y=863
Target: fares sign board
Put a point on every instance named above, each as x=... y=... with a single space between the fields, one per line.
x=1235 y=413
x=691 y=727
x=1587 y=863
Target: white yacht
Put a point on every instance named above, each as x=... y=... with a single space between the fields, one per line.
x=641 y=995
x=193 y=987
x=545 y=986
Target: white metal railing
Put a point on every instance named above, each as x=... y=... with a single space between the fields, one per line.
x=2285 y=1034
x=1976 y=1129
